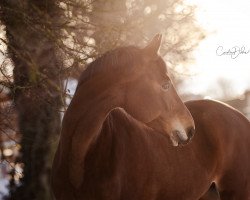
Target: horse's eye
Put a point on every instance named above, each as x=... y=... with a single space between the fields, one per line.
x=166 y=85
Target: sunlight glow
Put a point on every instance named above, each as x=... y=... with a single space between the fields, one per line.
x=227 y=26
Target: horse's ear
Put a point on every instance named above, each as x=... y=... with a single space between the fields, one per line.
x=153 y=46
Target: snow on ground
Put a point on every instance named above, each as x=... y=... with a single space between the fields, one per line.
x=3 y=187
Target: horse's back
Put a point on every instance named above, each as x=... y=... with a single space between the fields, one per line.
x=226 y=126
x=213 y=107
x=229 y=131
x=220 y=118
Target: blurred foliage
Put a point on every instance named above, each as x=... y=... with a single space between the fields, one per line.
x=94 y=27
x=43 y=43
x=35 y=86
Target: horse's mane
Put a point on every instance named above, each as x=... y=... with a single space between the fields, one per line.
x=123 y=58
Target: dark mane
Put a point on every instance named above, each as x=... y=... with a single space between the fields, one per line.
x=123 y=58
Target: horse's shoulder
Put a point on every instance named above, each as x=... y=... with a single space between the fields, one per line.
x=118 y=118
x=118 y=113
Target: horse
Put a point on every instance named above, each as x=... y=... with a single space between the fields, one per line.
x=211 y=194
x=130 y=78
x=224 y=134
x=127 y=135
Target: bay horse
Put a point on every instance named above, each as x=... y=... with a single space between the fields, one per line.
x=127 y=135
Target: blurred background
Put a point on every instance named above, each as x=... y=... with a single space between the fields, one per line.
x=45 y=45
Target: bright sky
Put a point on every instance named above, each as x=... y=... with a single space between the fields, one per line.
x=227 y=23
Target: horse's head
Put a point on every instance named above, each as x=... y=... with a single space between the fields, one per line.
x=137 y=80
x=151 y=98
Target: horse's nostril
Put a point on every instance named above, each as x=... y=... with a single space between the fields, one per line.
x=190 y=132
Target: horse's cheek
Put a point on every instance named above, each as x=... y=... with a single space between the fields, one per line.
x=144 y=111
x=142 y=102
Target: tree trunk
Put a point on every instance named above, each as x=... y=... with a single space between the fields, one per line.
x=31 y=31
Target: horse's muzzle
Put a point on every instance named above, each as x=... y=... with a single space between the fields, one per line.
x=182 y=137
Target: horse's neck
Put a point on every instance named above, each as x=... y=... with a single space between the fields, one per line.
x=94 y=106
